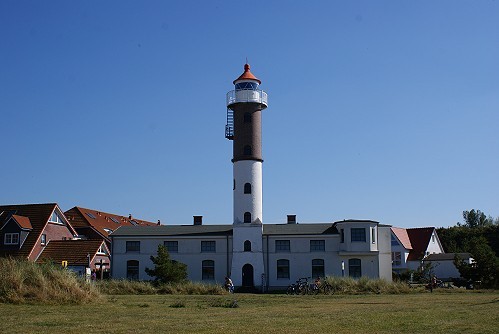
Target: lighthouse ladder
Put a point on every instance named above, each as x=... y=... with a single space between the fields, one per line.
x=229 y=127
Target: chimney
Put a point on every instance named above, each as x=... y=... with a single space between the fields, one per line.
x=198 y=220
x=291 y=219
x=130 y=216
x=159 y=222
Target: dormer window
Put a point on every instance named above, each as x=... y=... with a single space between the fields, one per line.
x=246 y=86
x=108 y=230
x=11 y=239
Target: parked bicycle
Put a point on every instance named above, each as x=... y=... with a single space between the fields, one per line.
x=301 y=287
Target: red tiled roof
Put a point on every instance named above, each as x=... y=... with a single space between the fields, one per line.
x=420 y=238
x=82 y=218
x=247 y=75
x=38 y=215
x=74 y=251
x=22 y=221
x=402 y=236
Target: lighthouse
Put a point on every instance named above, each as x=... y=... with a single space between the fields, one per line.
x=244 y=128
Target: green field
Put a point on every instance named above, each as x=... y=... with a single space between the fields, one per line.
x=439 y=312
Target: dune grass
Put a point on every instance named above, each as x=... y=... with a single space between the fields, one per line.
x=465 y=312
x=27 y=282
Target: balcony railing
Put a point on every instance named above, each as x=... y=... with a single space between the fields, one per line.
x=249 y=95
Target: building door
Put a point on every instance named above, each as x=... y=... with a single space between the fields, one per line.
x=248 y=275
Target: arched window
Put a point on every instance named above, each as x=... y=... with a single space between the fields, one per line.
x=247 y=188
x=208 y=270
x=247 y=117
x=247 y=150
x=283 y=269
x=132 y=269
x=247 y=217
x=247 y=246
x=354 y=268
x=317 y=268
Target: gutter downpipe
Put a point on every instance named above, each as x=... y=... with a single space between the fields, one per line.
x=228 y=270
x=267 y=269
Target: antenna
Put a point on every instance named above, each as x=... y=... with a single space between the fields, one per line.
x=246 y=60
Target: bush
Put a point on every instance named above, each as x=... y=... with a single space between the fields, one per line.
x=22 y=281
x=126 y=287
x=363 y=285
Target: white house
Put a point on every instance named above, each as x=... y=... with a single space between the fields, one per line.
x=290 y=251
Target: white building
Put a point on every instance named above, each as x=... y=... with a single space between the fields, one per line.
x=255 y=254
x=290 y=251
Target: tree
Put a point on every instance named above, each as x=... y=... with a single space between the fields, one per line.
x=486 y=265
x=166 y=270
x=474 y=219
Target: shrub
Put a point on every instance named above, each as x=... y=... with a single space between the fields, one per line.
x=364 y=285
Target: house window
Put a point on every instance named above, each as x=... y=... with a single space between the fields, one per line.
x=396 y=258
x=43 y=239
x=317 y=245
x=11 y=239
x=247 y=217
x=282 y=246
x=354 y=268
x=247 y=246
x=208 y=247
x=318 y=268
x=171 y=246
x=247 y=150
x=247 y=117
x=342 y=235
x=133 y=246
x=132 y=269
x=247 y=188
x=54 y=218
x=373 y=235
x=394 y=241
x=208 y=270
x=283 y=269
x=358 y=234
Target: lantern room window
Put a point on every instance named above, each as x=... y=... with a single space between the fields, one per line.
x=246 y=86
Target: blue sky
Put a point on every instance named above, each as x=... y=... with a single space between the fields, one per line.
x=383 y=110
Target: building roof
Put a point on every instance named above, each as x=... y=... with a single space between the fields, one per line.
x=420 y=238
x=74 y=251
x=207 y=230
x=38 y=215
x=23 y=222
x=447 y=256
x=402 y=236
x=82 y=219
x=247 y=75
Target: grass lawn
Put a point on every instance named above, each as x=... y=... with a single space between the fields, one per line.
x=438 y=312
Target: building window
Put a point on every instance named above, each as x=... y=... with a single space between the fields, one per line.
x=171 y=246
x=247 y=246
x=208 y=247
x=247 y=117
x=358 y=234
x=433 y=238
x=247 y=188
x=373 y=235
x=247 y=217
x=396 y=258
x=283 y=269
x=394 y=241
x=247 y=150
x=354 y=268
x=342 y=235
x=43 y=239
x=133 y=246
x=317 y=245
x=318 y=268
x=54 y=218
x=11 y=239
x=208 y=270
x=132 y=269
x=282 y=246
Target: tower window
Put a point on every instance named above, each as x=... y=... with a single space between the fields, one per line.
x=358 y=235
x=247 y=150
x=247 y=188
x=246 y=86
x=247 y=117
x=247 y=217
x=247 y=246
